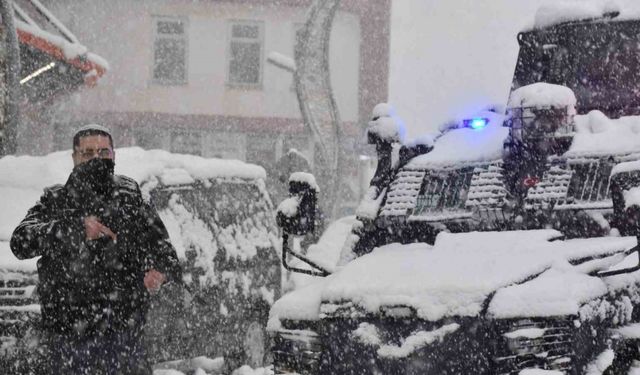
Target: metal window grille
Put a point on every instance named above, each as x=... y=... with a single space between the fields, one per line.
x=170 y=51
x=591 y=181
x=245 y=53
x=539 y=122
x=444 y=192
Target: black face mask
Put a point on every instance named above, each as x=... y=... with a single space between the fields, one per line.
x=95 y=175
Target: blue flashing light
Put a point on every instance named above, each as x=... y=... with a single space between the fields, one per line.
x=476 y=123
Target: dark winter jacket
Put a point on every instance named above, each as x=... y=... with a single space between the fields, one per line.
x=94 y=286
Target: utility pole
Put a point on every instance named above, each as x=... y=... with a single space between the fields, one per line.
x=9 y=80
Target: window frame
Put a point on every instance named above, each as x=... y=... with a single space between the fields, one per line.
x=230 y=39
x=185 y=37
x=191 y=135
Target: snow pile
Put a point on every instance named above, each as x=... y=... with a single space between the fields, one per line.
x=631 y=197
x=326 y=252
x=386 y=126
x=416 y=341
x=561 y=12
x=307 y=178
x=628 y=166
x=464 y=146
x=370 y=203
x=198 y=365
x=537 y=371
x=596 y=134
x=282 y=61
x=383 y=110
x=601 y=363
x=141 y=165
x=630 y=332
x=207 y=366
x=428 y=139
x=301 y=304
x=368 y=334
x=289 y=207
x=456 y=275
x=528 y=333
x=555 y=292
x=187 y=231
x=543 y=95
x=247 y=370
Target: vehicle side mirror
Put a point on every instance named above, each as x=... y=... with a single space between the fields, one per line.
x=297 y=214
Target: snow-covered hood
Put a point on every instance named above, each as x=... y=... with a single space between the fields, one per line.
x=517 y=273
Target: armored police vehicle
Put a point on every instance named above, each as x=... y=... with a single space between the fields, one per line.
x=507 y=246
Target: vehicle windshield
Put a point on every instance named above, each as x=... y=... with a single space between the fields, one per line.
x=599 y=61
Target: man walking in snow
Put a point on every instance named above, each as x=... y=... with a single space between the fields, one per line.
x=103 y=251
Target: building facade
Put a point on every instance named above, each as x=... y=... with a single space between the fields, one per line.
x=192 y=76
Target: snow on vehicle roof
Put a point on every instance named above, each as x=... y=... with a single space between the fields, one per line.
x=465 y=146
x=542 y=95
x=23 y=178
x=563 y=11
x=457 y=274
x=596 y=134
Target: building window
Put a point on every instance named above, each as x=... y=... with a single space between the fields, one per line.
x=186 y=143
x=245 y=54
x=170 y=51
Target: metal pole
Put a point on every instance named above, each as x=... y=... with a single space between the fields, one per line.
x=9 y=129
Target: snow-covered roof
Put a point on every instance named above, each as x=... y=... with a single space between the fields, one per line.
x=455 y=276
x=23 y=178
x=564 y=11
x=596 y=134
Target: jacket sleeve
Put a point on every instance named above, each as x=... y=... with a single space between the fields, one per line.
x=43 y=230
x=162 y=255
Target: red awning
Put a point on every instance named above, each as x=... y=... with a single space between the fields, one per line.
x=39 y=29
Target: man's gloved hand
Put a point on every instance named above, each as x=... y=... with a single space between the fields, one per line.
x=153 y=280
x=94 y=229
